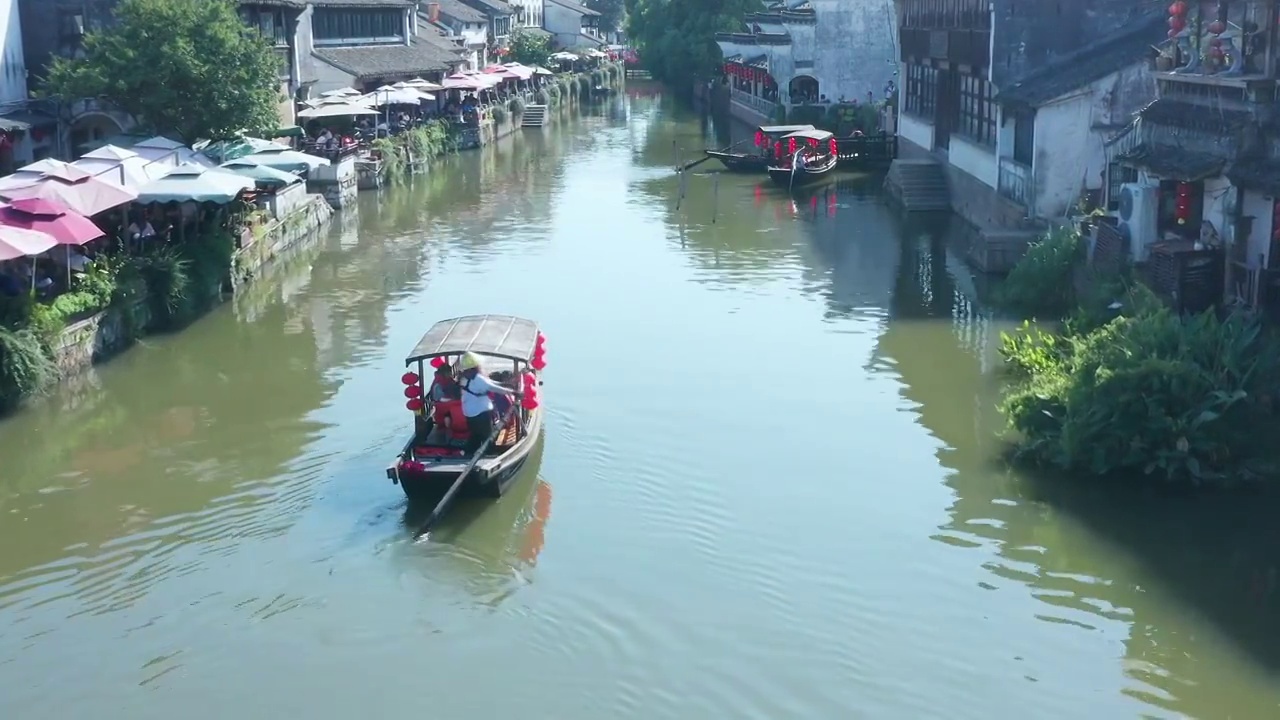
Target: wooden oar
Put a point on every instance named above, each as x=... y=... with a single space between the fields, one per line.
x=457 y=484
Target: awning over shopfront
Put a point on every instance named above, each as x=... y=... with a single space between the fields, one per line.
x=1172 y=163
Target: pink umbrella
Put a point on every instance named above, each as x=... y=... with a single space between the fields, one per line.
x=77 y=191
x=464 y=82
x=16 y=242
x=502 y=72
x=47 y=216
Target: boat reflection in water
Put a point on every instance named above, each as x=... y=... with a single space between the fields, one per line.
x=486 y=544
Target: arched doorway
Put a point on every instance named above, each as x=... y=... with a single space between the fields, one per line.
x=91 y=130
x=803 y=89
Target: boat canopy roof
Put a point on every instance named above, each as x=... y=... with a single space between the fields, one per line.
x=783 y=129
x=810 y=134
x=504 y=336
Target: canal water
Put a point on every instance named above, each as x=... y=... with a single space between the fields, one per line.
x=769 y=485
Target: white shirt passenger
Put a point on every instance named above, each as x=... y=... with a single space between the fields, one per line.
x=475 y=394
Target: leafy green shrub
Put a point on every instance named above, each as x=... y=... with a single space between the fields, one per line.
x=167 y=275
x=1187 y=401
x=516 y=107
x=499 y=114
x=1040 y=285
x=393 y=163
x=25 y=366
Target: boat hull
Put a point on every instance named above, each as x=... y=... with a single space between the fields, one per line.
x=783 y=176
x=490 y=479
x=740 y=162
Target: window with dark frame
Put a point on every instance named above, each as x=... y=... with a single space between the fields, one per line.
x=920 y=90
x=333 y=24
x=1118 y=175
x=977 y=110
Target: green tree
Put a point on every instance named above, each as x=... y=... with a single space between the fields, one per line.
x=611 y=13
x=529 y=48
x=186 y=67
x=676 y=38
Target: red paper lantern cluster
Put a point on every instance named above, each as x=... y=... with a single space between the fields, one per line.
x=749 y=74
x=791 y=146
x=833 y=146
x=1177 y=18
x=413 y=392
x=760 y=139
x=1182 y=203
x=539 y=360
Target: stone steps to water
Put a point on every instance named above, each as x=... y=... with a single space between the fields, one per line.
x=919 y=185
x=535 y=116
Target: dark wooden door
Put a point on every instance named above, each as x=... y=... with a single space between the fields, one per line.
x=946 y=104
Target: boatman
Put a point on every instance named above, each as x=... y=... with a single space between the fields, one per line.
x=477 y=405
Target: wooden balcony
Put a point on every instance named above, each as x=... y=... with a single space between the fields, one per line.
x=966 y=47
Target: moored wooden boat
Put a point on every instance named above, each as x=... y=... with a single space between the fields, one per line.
x=762 y=155
x=804 y=158
x=433 y=459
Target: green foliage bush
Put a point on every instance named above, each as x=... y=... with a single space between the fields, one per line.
x=1041 y=285
x=499 y=114
x=26 y=367
x=516 y=106
x=1188 y=401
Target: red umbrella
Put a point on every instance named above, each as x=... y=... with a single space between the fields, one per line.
x=16 y=242
x=47 y=216
x=78 y=191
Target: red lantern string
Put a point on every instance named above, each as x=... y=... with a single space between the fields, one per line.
x=832 y=145
x=413 y=391
x=409 y=378
x=759 y=139
x=413 y=404
x=791 y=145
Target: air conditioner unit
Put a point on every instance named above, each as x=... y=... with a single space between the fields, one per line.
x=1139 y=205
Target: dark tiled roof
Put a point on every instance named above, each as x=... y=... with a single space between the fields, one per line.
x=574 y=6
x=1261 y=174
x=491 y=7
x=457 y=10
x=374 y=60
x=360 y=3
x=1193 y=116
x=1086 y=65
x=1173 y=163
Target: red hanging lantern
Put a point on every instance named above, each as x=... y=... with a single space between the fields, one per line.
x=1177 y=24
x=437 y=361
x=831 y=145
x=529 y=380
x=529 y=402
x=409 y=378
x=1182 y=203
x=1178 y=8
x=791 y=145
x=777 y=149
x=759 y=139
x=413 y=404
x=1217 y=27
x=413 y=391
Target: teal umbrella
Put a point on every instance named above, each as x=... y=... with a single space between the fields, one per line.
x=263 y=175
x=288 y=160
x=224 y=150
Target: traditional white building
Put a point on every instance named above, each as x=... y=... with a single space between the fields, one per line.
x=810 y=52
x=22 y=134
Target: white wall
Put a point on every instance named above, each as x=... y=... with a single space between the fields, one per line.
x=562 y=22
x=328 y=77
x=974 y=159
x=1258 y=206
x=1070 y=156
x=916 y=130
x=856 y=48
x=13 y=85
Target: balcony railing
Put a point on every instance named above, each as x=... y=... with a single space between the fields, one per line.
x=1015 y=183
x=758 y=104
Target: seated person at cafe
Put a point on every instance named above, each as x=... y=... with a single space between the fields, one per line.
x=140 y=228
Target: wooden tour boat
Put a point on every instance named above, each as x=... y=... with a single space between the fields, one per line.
x=803 y=158
x=759 y=160
x=432 y=465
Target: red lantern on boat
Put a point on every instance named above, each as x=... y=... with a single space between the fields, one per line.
x=831 y=145
x=529 y=380
x=413 y=405
x=539 y=360
x=529 y=402
x=777 y=149
x=1178 y=8
x=540 y=342
x=437 y=361
x=409 y=378
x=1177 y=24
x=791 y=145
x=759 y=139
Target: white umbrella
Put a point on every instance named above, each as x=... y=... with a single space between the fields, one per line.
x=340 y=110
x=388 y=95
x=418 y=84
x=335 y=100
x=340 y=92
x=131 y=172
